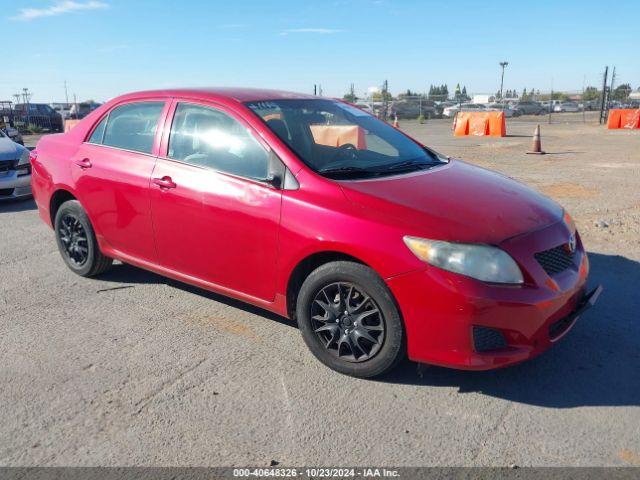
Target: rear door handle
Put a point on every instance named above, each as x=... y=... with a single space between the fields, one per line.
x=164 y=182
x=84 y=163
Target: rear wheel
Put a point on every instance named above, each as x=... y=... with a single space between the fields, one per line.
x=77 y=241
x=349 y=320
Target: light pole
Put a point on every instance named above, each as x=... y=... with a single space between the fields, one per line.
x=502 y=64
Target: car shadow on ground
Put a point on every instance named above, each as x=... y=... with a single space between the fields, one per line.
x=596 y=364
x=13 y=206
x=130 y=275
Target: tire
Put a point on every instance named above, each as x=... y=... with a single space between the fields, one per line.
x=339 y=330
x=73 y=229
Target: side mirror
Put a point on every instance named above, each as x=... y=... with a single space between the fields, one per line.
x=274 y=180
x=279 y=176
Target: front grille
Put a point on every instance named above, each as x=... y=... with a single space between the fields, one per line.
x=6 y=165
x=486 y=339
x=555 y=260
x=4 y=192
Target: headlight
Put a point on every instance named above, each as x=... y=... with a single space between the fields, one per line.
x=24 y=158
x=483 y=262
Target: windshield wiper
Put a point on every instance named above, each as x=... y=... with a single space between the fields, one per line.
x=347 y=171
x=411 y=165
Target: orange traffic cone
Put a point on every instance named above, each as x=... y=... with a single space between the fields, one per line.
x=536 y=146
x=395 y=121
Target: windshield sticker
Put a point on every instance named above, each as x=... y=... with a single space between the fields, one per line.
x=264 y=106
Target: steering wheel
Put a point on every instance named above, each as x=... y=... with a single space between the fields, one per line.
x=347 y=146
x=342 y=150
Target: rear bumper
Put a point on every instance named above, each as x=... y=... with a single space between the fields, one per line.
x=443 y=312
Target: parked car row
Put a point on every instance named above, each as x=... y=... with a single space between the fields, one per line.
x=509 y=111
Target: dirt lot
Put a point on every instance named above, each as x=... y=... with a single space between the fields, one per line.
x=134 y=369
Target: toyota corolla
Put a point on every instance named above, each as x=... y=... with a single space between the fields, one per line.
x=376 y=245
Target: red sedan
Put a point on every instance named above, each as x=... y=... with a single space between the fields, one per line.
x=376 y=245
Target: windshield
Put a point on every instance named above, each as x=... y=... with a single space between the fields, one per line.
x=338 y=140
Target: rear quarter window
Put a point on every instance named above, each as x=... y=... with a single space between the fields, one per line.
x=98 y=132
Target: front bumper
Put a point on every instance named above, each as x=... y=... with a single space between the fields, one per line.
x=13 y=186
x=444 y=311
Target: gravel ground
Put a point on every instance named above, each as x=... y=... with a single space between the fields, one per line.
x=135 y=369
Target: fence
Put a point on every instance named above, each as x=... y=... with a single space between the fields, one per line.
x=547 y=107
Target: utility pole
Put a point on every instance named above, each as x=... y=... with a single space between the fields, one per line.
x=551 y=101
x=603 y=102
x=584 y=81
x=66 y=93
x=613 y=79
x=385 y=89
x=27 y=96
x=315 y=90
x=503 y=65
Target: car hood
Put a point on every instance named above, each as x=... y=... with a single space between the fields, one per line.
x=456 y=202
x=9 y=150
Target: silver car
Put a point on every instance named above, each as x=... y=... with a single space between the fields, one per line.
x=15 y=169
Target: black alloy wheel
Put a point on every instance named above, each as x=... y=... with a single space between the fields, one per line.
x=77 y=241
x=348 y=322
x=74 y=239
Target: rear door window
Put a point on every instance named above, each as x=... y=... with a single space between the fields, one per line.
x=132 y=126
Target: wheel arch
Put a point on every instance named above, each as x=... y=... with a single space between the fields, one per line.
x=60 y=196
x=307 y=265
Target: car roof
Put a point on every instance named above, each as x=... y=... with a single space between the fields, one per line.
x=220 y=93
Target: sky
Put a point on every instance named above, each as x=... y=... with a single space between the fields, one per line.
x=103 y=48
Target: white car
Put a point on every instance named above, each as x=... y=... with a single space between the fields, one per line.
x=365 y=106
x=466 y=107
x=567 y=107
x=508 y=110
x=64 y=109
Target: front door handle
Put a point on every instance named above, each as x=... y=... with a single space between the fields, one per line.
x=164 y=182
x=84 y=163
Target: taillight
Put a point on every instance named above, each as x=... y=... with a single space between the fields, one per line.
x=33 y=155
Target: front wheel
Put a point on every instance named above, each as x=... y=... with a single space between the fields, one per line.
x=77 y=241
x=349 y=320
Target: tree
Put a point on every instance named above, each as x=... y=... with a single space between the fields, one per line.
x=621 y=92
x=590 y=94
x=409 y=93
x=377 y=96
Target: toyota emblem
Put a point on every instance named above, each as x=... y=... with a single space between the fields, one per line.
x=571 y=244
